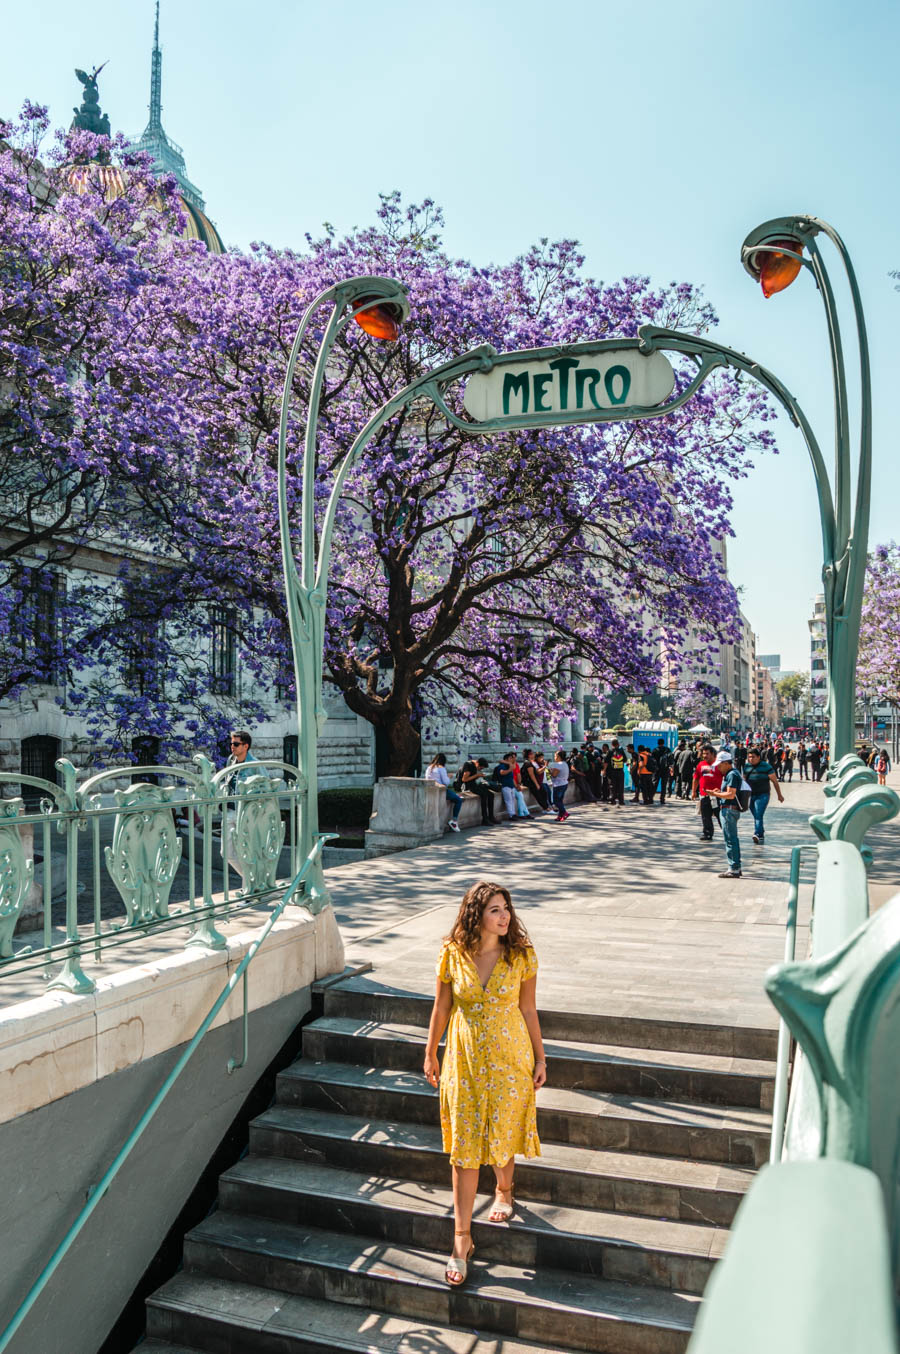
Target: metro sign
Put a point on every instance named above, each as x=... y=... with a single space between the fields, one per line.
x=568 y=386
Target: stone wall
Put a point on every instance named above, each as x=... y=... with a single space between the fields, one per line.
x=76 y=1073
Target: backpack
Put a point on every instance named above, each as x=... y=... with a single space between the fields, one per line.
x=652 y=765
x=743 y=796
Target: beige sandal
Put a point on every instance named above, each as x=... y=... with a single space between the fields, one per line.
x=456 y=1265
x=502 y=1210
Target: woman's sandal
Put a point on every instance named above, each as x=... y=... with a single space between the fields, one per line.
x=457 y=1265
x=503 y=1209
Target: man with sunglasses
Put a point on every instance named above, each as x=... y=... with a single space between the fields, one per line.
x=241 y=756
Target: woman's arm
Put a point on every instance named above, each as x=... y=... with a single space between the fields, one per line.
x=440 y=1014
x=528 y=1007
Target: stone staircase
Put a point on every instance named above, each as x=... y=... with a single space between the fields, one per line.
x=332 y=1233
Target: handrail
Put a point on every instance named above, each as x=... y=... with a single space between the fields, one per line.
x=783 y=1059
x=97 y=1192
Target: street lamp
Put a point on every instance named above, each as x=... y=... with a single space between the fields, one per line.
x=774 y=255
x=379 y=305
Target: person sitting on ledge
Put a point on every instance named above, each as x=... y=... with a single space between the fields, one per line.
x=437 y=771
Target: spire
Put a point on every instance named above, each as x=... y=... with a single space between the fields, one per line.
x=167 y=157
x=155 y=123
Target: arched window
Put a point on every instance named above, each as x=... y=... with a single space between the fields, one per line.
x=39 y=757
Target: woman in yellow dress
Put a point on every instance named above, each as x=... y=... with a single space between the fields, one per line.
x=494 y=1060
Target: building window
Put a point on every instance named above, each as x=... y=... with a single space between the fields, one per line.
x=510 y=732
x=145 y=752
x=143 y=664
x=39 y=757
x=289 y=752
x=40 y=608
x=223 y=651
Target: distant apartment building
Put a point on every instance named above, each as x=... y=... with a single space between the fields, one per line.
x=818 y=676
x=767 y=701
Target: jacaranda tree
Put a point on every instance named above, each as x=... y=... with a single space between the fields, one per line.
x=471 y=575
x=878 y=670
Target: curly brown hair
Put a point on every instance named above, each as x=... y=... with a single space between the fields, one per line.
x=466 y=930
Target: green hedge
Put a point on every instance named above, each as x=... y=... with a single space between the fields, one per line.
x=350 y=806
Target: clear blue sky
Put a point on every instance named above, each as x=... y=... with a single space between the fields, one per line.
x=657 y=134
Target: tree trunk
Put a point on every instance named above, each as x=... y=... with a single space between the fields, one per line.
x=397 y=744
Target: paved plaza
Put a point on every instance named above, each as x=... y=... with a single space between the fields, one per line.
x=624 y=905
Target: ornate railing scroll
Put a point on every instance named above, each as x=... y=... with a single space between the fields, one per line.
x=109 y=860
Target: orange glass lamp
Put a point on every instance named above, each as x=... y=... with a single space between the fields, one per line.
x=381 y=319
x=773 y=260
x=777 y=269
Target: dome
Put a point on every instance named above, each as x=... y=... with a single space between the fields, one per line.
x=199 y=227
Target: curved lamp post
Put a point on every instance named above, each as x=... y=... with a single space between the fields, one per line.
x=380 y=306
x=774 y=254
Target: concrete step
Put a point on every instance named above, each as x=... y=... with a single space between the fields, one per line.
x=707 y=1078
x=675 y=1255
x=238 y=1318
x=527 y=1304
x=737 y=1136
x=163 y=1347
x=574 y=1177
x=363 y=996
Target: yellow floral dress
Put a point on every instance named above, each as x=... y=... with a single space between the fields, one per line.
x=487 y=1092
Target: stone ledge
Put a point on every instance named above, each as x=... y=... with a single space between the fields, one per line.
x=57 y=1043
x=408 y=812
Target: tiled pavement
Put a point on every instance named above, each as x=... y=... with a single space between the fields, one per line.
x=624 y=905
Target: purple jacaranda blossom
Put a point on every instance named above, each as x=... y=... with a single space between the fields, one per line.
x=878 y=668
x=471 y=576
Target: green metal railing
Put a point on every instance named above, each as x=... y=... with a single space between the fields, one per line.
x=133 y=852
x=818 y=1234
x=783 y=1058
x=97 y=1191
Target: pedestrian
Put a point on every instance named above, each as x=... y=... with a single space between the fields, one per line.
x=533 y=780
x=802 y=761
x=730 y=812
x=681 y=768
x=615 y=773
x=777 y=760
x=472 y=781
x=541 y=763
x=240 y=742
x=522 y=809
x=664 y=762
x=559 y=772
x=494 y=1060
x=762 y=779
x=648 y=770
x=634 y=767
x=603 y=773
x=513 y=799
x=707 y=777
x=882 y=766
x=578 y=772
x=788 y=763
x=437 y=772
x=815 y=761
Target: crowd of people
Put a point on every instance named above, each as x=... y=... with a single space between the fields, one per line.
x=547 y=781
x=739 y=776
